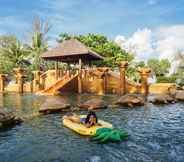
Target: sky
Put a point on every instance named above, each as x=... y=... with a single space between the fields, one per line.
x=150 y=27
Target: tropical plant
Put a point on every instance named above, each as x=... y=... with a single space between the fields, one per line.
x=7 y=40
x=13 y=54
x=16 y=53
x=111 y=52
x=159 y=68
x=132 y=72
x=167 y=79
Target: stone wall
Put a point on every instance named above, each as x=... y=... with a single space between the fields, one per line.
x=162 y=88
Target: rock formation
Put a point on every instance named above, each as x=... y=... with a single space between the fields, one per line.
x=130 y=100
x=93 y=104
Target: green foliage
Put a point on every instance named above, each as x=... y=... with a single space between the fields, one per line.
x=111 y=52
x=177 y=78
x=166 y=79
x=13 y=54
x=132 y=73
x=159 y=68
x=180 y=81
x=7 y=40
x=63 y=36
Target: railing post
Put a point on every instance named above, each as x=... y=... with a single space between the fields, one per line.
x=79 y=77
x=123 y=66
x=56 y=70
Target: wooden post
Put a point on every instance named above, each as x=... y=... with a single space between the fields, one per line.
x=56 y=70
x=79 y=77
x=2 y=82
x=123 y=66
x=144 y=72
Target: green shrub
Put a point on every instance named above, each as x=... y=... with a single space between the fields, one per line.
x=164 y=79
x=180 y=81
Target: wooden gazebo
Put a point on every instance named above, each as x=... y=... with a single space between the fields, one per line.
x=71 y=51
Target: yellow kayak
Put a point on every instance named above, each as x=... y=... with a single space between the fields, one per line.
x=82 y=129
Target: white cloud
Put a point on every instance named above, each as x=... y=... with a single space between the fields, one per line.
x=163 y=42
x=140 y=43
x=170 y=40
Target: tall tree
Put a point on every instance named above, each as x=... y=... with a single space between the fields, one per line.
x=111 y=52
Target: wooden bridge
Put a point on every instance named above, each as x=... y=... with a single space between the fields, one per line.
x=58 y=84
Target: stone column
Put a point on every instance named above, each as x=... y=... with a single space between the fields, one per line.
x=144 y=72
x=103 y=72
x=36 y=80
x=20 y=79
x=2 y=82
x=123 y=67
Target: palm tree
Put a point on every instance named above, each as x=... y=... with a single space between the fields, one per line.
x=39 y=42
x=15 y=54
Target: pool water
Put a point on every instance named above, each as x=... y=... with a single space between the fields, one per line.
x=156 y=134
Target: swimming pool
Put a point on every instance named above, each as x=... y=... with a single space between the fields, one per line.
x=157 y=134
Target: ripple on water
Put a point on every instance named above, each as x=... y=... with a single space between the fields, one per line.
x=156 y=135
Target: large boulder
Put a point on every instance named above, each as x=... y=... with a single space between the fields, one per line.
x=8 y=118
x=162 y=99
x=179 y=95
x=54 y=105
x=93 y=104
x=130 y=100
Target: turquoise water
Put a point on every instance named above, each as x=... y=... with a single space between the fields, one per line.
x=157 y=134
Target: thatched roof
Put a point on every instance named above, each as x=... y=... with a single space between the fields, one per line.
x=71 y=51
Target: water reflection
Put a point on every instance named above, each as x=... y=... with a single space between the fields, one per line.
x=1 y=99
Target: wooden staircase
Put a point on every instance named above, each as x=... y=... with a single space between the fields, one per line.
x=59 y=84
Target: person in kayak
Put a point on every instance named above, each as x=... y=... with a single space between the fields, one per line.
x=90 y=120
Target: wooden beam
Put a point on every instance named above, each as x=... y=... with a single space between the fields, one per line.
x=79 y=77
x=56 y=69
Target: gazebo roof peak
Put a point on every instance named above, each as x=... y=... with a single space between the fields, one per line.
x=70 y=51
